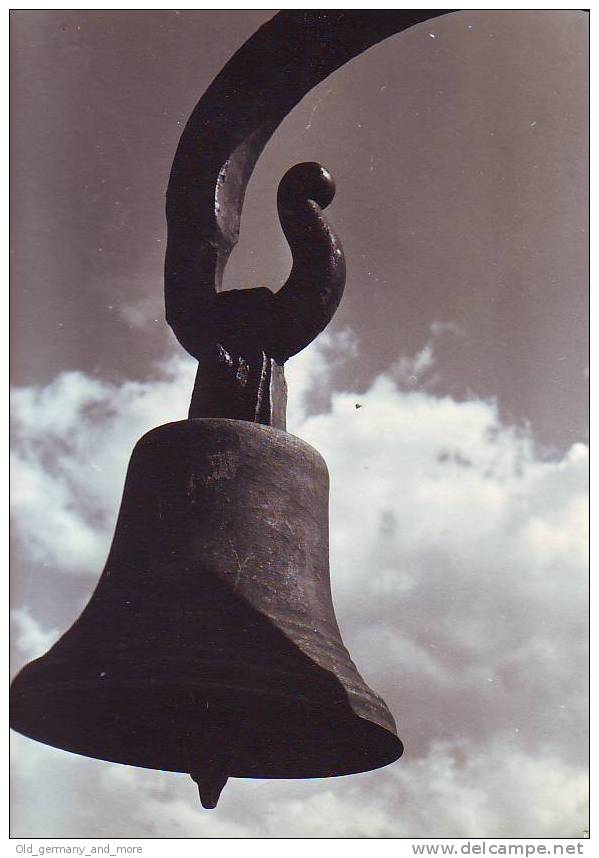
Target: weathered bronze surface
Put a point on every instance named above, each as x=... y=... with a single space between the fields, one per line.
x=210 y=645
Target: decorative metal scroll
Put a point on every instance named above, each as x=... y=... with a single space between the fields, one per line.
x=242 y=337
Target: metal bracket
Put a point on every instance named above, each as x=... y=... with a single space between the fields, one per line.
x=217 y=152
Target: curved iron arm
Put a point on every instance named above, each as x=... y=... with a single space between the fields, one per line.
x=217 y=152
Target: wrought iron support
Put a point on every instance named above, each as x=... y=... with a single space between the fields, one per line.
x=242 y=338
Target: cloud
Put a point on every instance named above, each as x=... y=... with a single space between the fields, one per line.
x=410 y=370
x=310 y=374
x=415 y=370
x=498 y=790
x=458 y=567
x=72 y=442
x=29 y=636
x=147 y=312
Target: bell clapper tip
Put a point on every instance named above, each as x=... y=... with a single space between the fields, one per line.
x=211 y=781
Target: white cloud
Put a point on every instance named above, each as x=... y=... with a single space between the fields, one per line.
x=72 y=442
x=415 y=370
x=411 y=370
x=29 y=636
x=455 y=791
x=147 y=312
x=313 y=369
x=458 y=568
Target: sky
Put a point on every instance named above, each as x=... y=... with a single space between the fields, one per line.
x=458 y=489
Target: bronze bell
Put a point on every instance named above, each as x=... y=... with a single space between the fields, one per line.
x=210 y=645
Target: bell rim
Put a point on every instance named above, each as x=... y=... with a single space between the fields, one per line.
x=370 y=745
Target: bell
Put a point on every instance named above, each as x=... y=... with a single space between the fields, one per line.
x=210 y=644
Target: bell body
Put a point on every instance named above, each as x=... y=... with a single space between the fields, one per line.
x=210 y=641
